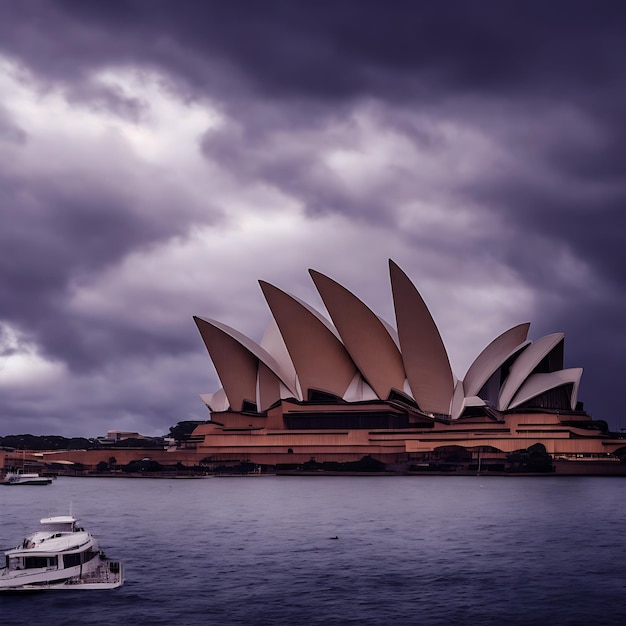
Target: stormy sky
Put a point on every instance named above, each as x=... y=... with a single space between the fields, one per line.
x=157 y=158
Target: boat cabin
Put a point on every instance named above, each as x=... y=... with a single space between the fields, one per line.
x=60 y=524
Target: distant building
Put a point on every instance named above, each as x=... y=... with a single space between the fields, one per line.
x=353 y=385
x=115 y=436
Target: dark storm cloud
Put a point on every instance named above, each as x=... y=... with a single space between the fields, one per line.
x=543 y=82
x=52 y=237
x=258 y=151
x=332 y=50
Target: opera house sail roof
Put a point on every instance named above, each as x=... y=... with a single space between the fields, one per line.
x=347 y=384
x=355 y=356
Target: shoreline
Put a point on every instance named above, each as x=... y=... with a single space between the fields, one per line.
x=617 y=472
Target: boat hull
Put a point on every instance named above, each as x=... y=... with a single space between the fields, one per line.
x=13 y=479
x=42 y=481
x=107 y=575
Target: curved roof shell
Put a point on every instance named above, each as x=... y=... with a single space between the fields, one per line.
x=537 y=384
x=458 y=400
x=492 y=357
x=359 y=390
x=423 y=353
x=362 y=358
x=365 y=337
x=235 y=365
x=320 y=359
x=238 y=361
x=524 y=365
x=274 y=344
x=216 y=401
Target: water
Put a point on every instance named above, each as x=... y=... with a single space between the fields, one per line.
x=410 y=550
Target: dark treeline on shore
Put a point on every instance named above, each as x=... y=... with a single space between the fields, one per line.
x=48 y=442
x=56 y=442
x=180 y=432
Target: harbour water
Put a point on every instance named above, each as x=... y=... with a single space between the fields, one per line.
x=337 y=550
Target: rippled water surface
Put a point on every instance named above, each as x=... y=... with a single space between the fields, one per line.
x=409 y=550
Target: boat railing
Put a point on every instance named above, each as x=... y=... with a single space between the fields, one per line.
x=109 y=572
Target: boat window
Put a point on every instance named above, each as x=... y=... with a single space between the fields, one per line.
x=71 y=560
x=16 y=563
x=60 y=527
x=88 y=555
x=37 y=562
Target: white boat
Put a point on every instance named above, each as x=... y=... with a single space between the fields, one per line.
x=59 y=556
x=19 y=478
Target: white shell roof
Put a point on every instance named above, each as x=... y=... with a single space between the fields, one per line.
x=492 y=357
x=366 y=338
x=320 y=359
x=361 y=356
x=217 y=401
x=473 y=401
x=536 y=384
x=359 y=390
x=524 y=365
x=274 y=344
x=236 y=359
x=423 y=353
x=456 y=408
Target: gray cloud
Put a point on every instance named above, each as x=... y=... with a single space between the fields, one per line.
x=483 y=143
x=333 y=51
x=9 y=132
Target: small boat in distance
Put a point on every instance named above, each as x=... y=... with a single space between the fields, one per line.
x=60 y=556
x=20 y=478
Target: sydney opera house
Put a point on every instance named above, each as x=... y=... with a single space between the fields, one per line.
x=350 y=384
